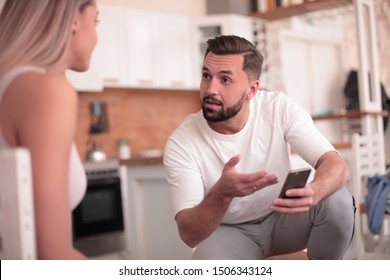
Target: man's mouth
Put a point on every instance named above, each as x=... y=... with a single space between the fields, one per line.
x=212 y=102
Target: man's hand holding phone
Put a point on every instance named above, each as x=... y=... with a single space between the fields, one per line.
x=294 y=204
x=295 y=179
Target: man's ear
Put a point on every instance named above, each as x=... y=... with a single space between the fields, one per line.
x=253 y=89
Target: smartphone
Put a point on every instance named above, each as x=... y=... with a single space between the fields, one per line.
x=295 y=179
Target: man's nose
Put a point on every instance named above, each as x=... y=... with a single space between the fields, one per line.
x=212 y=86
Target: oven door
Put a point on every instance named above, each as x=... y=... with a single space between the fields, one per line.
x=98 y=225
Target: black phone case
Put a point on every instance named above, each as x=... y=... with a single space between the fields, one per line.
x=295 y=179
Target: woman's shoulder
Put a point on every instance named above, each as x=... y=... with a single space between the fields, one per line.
x=47 y=93
x=45 y=82
x=42 y=87
x=40 y=101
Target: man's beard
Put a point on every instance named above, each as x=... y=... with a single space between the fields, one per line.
x=223 y=114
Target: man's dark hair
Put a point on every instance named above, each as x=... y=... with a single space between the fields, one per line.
x=231 y=44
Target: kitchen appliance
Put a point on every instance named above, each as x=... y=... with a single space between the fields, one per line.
x=95 y=152
x=100 y=221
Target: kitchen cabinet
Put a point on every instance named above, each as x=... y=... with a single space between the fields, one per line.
x=110 y=49
x=158 y=50
x=86 y=81
x=143 y=49
x=153 y=230
x=141 y=56
x=107 y=65
x=173 y=39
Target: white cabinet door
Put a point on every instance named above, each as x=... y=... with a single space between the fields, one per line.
x=173 y=51
x=138 y=48
x=313 y=74
x=140 y=57
x=90 y=80
x=153 y=230
x=158 y=50
x=107 y=63
x=109 y=51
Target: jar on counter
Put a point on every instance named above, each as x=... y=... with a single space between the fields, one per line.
x=124 y=151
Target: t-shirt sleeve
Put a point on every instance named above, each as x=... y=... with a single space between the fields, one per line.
x=301 y=133
x=184 y=177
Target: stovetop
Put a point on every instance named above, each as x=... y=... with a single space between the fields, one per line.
x=101 y=169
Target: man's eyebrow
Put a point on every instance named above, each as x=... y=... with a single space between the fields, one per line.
x=226 y=72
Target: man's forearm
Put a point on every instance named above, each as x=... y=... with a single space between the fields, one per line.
x=331 y=174
x=197 y=223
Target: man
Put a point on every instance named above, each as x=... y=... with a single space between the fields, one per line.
x=226 y=165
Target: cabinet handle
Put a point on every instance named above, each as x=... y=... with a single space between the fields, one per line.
x=111 y=80
x=178 y=83
x=145 y=82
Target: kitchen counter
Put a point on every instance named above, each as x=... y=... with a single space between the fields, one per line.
x=158 y=160
x=141 y=161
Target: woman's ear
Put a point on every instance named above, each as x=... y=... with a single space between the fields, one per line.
x=75 y=24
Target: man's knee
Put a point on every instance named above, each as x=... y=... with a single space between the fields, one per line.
x=339 y=201
x=339 y=210
x=227 y=242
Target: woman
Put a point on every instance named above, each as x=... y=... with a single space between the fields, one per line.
x=39 y=41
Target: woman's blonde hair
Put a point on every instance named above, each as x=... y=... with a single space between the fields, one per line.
x=36 y=32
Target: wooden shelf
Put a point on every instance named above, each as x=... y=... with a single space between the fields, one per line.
x=349 y=115
x=301 y=9
x=337 y=145
x=342 y=145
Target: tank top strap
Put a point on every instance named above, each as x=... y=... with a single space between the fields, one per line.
x=9 y=76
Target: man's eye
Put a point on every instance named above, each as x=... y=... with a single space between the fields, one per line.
x=205 y=75
x=226 y=80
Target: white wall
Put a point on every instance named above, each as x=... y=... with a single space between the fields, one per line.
x=179 y=7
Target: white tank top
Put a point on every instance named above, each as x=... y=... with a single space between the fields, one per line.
x=77 y=177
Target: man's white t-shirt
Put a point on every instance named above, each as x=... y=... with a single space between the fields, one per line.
x=195 y=154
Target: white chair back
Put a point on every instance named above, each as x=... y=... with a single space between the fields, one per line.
x=17 y=227
x=367 y=160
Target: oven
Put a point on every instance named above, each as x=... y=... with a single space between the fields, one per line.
x=99 y=221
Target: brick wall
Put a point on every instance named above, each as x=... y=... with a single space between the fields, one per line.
x=144 y=117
